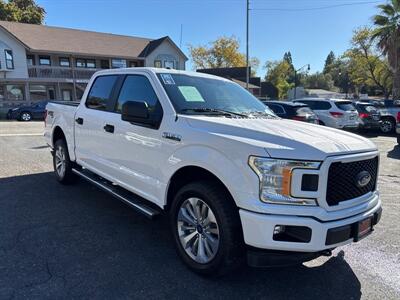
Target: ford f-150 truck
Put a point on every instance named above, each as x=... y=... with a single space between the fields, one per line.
x=238 y=182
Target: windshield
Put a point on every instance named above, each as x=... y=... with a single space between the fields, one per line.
x=199 y=95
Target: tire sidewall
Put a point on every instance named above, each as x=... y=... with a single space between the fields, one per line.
x=68 y=164
x=185 y=193
x=391 y=128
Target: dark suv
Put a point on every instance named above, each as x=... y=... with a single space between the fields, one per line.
x=293 y=111
x=369 y=115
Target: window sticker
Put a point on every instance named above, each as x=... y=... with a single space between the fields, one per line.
x=167 y=78
x=191 y=94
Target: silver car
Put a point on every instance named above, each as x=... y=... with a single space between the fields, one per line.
x=336 y=113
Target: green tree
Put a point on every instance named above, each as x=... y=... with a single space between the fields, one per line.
x=22 y=11
x=365 y=66
x=278 y=73
x=329 y=62
x=222 y=53
x=387 y=34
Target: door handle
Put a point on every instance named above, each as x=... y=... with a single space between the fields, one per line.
x=79 y=121
x=109 y=128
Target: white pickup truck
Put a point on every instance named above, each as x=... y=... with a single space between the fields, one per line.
x=236 y=180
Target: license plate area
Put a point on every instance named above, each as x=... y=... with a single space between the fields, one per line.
x=363 y=228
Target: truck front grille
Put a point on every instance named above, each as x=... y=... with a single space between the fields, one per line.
x=343 y=177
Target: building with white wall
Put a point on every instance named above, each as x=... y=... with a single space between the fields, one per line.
x=44 y=63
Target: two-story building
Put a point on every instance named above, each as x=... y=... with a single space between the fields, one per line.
x=44 y=63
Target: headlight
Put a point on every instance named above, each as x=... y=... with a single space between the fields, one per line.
x=275 y=179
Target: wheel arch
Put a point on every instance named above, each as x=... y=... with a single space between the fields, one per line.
x=188 y=174
x=58 y=133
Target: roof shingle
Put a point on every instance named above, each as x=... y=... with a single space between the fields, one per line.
x=73 y=41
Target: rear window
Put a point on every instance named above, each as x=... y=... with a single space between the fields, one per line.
x=367 y=108
x=277 y=109
x=346 y=106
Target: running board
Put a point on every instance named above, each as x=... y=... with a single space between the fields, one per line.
x=125 y=196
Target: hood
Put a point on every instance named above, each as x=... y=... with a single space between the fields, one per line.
x=284 y=138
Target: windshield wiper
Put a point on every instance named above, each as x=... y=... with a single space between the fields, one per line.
x=215 y=111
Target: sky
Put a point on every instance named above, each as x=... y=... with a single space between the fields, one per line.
x=309 y=29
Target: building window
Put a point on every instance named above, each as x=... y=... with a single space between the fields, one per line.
x=85 y=63
x=80 y=63
x=37 y=92
x=44 y=61
x=30 y=60
x=169 y=64
x=64 y=62
x=157 y=64
x=15 y=92
x=118 y=63
x=105 y=64
x=90 y=63
x=9 y=59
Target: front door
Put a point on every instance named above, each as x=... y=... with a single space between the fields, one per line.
x=139 y=151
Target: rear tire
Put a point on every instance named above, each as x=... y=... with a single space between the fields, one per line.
x=206 y=227
x=62 y=163
x=388 y=125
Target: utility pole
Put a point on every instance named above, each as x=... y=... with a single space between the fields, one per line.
x=247 y=44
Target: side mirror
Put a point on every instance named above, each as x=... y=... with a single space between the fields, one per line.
x=135 y=112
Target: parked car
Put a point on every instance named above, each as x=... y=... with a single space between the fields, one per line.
x=28 y=113
x=293 y=110
x=389 y=114
x=236 y=181
x=370 y=117
x=334 y=113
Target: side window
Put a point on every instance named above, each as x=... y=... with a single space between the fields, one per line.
x=278 y=109
x=100 y=92
x=309 y=103
x=322 y=105
x=137 y=88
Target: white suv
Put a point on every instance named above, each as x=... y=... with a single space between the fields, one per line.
x=334 y=113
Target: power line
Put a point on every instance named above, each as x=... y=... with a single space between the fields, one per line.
x=317 y=8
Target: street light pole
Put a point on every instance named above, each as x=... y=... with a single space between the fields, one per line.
x=247 y=44
x=295 y=78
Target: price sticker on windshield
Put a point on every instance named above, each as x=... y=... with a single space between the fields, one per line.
x=191 y=94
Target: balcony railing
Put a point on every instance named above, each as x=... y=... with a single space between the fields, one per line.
x=60 y=73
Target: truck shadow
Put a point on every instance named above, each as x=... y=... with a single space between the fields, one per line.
x=394 y=153
x=78 y=242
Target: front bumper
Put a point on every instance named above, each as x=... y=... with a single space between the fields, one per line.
x=258 y=230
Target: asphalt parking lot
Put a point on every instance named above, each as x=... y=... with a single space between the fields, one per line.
x=78 y=242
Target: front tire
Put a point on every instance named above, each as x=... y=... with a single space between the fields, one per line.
x=206 y=227
x=25 y=116
x=62 y=163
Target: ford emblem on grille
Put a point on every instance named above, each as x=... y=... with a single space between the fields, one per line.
x=363 y=178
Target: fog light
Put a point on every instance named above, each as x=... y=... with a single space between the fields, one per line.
x=291 y=233
x=279 y=229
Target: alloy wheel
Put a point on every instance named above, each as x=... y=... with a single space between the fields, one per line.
x=26 y=117
x=60 y=162
x=198 y=230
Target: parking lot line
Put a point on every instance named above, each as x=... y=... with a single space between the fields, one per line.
x=20 y=134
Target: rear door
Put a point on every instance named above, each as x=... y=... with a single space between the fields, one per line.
x=91 y=117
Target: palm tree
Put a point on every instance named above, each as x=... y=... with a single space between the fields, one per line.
x=387 y=35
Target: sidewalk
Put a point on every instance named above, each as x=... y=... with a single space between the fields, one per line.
x=15 y=128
